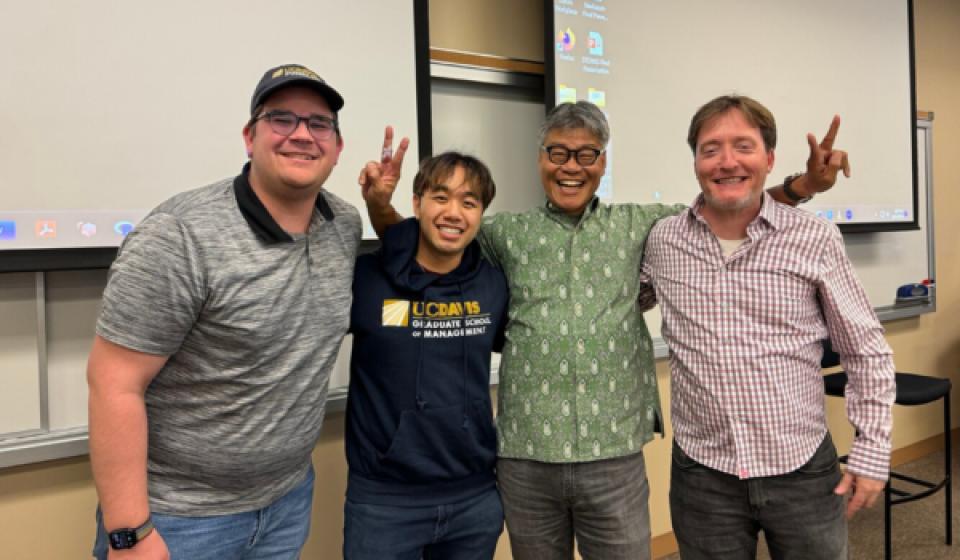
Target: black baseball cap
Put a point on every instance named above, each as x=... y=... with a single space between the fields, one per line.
x=294 y=75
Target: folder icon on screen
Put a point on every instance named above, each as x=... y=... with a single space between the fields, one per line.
x=566 y=94
x=597 y=96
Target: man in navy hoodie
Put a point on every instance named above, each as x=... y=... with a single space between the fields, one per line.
x=428 y=311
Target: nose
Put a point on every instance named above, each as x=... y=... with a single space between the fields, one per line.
x=301 y=132
x=728 y=158
x=571 y=165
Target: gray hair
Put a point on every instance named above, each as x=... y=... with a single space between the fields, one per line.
x=581 y=114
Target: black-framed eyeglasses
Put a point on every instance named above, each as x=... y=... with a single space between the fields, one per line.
x=560 y=155
x=285 y=122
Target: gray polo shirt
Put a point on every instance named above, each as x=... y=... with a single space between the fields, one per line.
x=251 y=319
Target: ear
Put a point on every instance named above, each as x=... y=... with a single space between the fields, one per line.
x=602 y=162
x=770 y=159
x=248 y=139
x=416 y=206
x=339 y=146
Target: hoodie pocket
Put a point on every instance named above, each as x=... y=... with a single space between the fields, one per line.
x=439 y=444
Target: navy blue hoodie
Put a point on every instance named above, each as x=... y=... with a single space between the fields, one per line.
x=420 y=428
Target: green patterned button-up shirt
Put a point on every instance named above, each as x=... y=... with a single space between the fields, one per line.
x=577 y=378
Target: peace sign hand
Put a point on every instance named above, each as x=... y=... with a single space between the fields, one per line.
x=824 y=162
x=378 y=179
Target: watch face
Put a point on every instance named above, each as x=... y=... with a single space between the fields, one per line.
x=123 y=538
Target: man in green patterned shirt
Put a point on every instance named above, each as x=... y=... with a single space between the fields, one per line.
x=578 y=394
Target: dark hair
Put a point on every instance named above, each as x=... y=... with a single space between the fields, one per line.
x=438 y=168
x=755 y=113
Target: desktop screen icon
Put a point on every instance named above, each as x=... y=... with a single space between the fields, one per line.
x=566 y=94
x=8 y=229
x=597 y=96
x=595 y=43
x=566 y=40
x=46 y=229
x=122 y=228
x=87 y=229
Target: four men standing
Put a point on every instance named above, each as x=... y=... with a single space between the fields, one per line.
x=226 y=306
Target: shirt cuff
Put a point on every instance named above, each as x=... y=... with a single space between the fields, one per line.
x=869 y=460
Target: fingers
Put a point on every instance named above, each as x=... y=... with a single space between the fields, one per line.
x=845 y=484
x=387 y=153
x=866 y=491
x=812 y=161
x=837 y=161
x=827 y=143
x=401 y=151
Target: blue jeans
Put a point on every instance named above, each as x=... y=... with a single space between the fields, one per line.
x=466 y=530
x=275 y=532
x=601 y=503
x=718 y=516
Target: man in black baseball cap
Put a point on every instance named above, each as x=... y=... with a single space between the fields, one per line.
x=294 y=74
x=221 y=323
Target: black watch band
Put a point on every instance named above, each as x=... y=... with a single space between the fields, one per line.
x=792 y=194
x=122 y=539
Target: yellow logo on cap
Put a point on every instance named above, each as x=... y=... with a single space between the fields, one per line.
x=295 y=71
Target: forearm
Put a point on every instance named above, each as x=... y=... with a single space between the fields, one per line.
x=382 y=217
x=118 y=456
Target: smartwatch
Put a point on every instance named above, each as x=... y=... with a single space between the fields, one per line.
x=792 y=194
x=122 y=539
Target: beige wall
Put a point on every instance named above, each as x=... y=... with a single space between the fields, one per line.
x=46 y=510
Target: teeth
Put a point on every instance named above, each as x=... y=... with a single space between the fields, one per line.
x=570 y=183
x=302 y=156
x=729 y=180
x=450 y=230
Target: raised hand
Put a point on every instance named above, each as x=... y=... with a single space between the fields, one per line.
x=824 y=162
x=378 y=179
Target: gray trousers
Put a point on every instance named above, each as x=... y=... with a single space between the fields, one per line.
x=718 y=516
x=603 y=504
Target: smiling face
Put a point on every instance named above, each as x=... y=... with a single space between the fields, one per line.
x=571 y=186
x=449 y=213
x=296 y=165
x=731 y=162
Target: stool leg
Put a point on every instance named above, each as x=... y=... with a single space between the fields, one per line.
x=948 y=466
x=887 y=519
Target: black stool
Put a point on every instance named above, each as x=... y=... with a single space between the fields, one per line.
x=911 y=390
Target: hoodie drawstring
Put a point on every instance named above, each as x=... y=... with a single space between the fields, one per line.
x=463 y=346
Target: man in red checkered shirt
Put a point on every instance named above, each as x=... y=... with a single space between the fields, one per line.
x=748 y=288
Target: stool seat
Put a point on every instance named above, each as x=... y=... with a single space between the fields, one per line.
x=912 y=389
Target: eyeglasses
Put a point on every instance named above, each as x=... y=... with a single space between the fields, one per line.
x=285 y=123
x=560 y=155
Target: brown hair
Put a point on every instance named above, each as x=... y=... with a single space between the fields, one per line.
x=755 y=113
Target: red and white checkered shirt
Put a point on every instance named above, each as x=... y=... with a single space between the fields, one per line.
x=744 y=335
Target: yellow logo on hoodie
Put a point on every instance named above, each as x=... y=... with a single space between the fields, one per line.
x=396 y=312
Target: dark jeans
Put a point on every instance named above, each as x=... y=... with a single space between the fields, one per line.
x=718 y=516
x=601 y=503
x=466 y=530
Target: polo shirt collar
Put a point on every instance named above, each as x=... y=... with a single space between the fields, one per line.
x=256 y=215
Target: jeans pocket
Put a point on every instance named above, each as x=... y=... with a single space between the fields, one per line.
x=824 y=460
